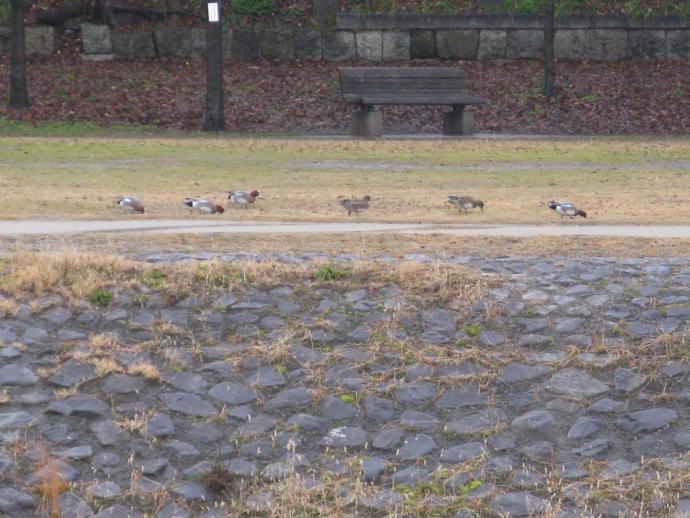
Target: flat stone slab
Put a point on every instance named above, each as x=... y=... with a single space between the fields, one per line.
x=18 y=375
x=188 y=404
x=232 y=393
x=647 y=420
x=575 y=383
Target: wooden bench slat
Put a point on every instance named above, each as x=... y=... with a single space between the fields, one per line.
x=412 y=99
x=432 y=72
x=381 y=86
x=400 y=86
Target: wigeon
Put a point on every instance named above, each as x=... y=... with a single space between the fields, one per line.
x=566 y=209
x=204 y=206
x=355 y=204
x=243 y=198
x=131 y=203
x=465 y=203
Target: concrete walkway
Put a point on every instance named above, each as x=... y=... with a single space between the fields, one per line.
x=169 y=226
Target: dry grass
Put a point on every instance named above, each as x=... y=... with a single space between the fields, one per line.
x=105 y=366
x=146 y=370
x=134 y=424
x=27 y=274
x=65 y=393
x=102 y=344
x=362 y=245
x=59 y=272
x=50 y=486
x=624 y=180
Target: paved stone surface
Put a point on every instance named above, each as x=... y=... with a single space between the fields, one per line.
x=558 y=363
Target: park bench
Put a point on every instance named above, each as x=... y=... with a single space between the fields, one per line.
x=369 y=87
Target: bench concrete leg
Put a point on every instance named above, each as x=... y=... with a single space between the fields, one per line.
x=367 y=123
x=458 y=121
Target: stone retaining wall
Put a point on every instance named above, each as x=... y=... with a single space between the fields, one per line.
x=398 y=38
x=39 y=40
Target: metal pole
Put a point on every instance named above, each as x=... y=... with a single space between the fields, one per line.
x=214 y=118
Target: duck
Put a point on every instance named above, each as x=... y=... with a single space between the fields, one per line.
x=131 y=203
x=465 y=203
x=243 y=198
x=204 y=206
x=355 y=204
x=566 y=209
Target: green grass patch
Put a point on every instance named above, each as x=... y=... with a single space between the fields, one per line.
x=328 y=273
x=348 y=398
x=101 y=298
x=155 y=279
x=473 y=330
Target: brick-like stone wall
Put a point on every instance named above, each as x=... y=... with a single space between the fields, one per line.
x=597 y=38
x=38 y=40
x=385 y=38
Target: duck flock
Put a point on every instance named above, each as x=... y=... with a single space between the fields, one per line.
x=351 y=205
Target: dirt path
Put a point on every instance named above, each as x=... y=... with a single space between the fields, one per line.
x=39 y=227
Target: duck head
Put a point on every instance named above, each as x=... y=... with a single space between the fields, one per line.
x=581 y=213
x=220 y=209
x=480 y=204
x=367 y=198
x=254 y=194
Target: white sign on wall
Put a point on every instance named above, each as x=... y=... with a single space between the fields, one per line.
x=213 y=12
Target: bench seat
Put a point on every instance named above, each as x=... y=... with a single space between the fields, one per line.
x=369 y=87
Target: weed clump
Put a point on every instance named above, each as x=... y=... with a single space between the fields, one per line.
x=328 y=273
x=101 y=298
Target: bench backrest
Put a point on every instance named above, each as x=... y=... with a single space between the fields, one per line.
x=365 y=82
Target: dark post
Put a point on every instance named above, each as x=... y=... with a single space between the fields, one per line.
x=214 y=119
x=549 y=59
x=19 y=94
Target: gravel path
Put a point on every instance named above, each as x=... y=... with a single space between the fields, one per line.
x=564 y=389
x=192 y=226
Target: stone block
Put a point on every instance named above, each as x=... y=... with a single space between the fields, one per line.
x=308 y=46
x=369 y=45
x=457 y=44
x=173 y=42
x=133 y=44
x=646 y=44
x=678 y=44
x=569 y=44
x=96 y=39
x=197 y=44
x=525 y=44
x=245 y=45
x=458 y=122
x=396 y=46
x=338 y=45
x=324 y=11
x=278 y=44
x=492 y=44
x=39 y=40
x=606 y=44
x=367 y=123
x=422 y=45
